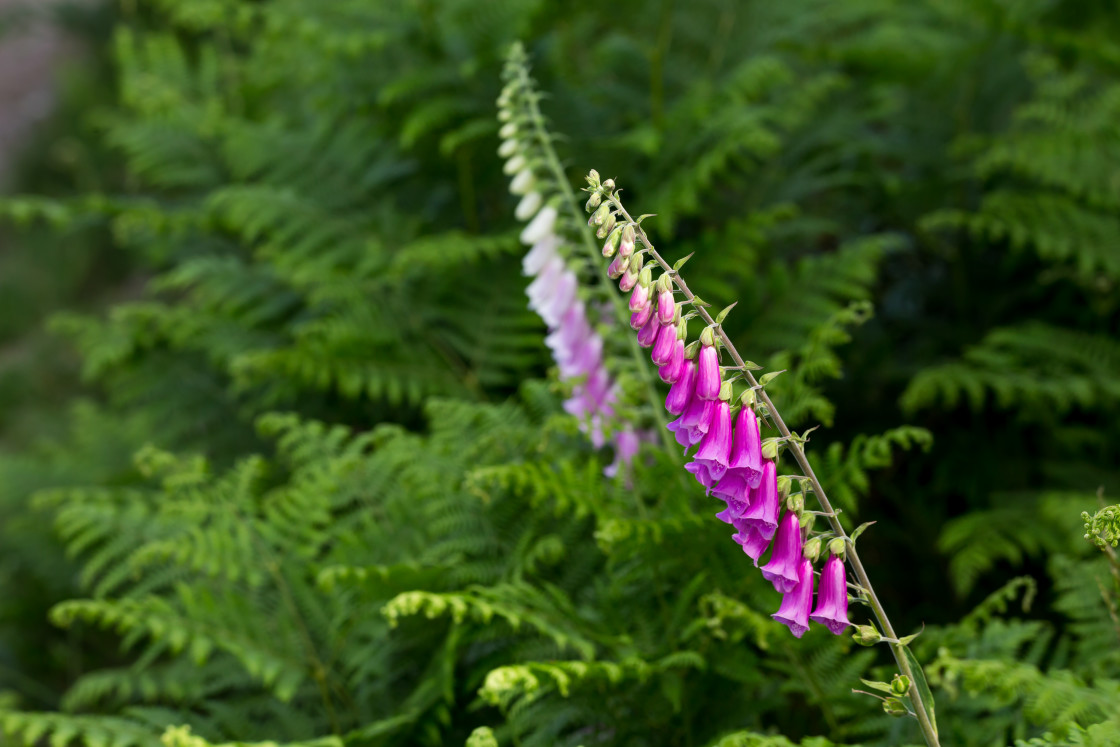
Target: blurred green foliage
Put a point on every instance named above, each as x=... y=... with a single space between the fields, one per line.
x=318 y=491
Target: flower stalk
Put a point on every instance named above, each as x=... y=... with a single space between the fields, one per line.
x=707 y=390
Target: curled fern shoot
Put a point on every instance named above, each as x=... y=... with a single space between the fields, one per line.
x=737 y=466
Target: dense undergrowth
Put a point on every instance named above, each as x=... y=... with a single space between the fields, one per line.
x=319 y=487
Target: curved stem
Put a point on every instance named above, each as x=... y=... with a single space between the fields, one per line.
x=799 y=454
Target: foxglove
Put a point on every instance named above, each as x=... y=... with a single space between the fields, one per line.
x=832 y=599
x=707 y=378
x=763 y=511
x=794 y=610
x=681 y=392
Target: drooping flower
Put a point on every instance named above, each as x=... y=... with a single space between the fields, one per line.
x=763 y=511
x=640 y=297
x=639 y=318
x=541 y=253
x=626 y=445
x=528 y=206
x=648 y=333
x=716 y=445
x=666 y=307
x=681 y=391
x=746 y=454
x=733 y=487
x=664 y=344
x=630 y=278
x=784 y=563
x=699 y=470
x=617 y=267
x=540 y=226
x=794 y=610
x=522 y=183
x=690 y=427
x=753 y=543
x=832 y=599
x=707 y=377
x=671 y=371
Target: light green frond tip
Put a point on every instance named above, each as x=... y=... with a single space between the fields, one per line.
x=482 y=737
x=1103 y=527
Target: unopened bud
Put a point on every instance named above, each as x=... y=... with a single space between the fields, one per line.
x=522 y=183
x=900 y=685
x=608 y=186
x=646 y=278
x=707 y=337
x=611 y=244
x=770 y=448
x=837 y=547
x=812 y=549
x=894 y=707
x=691 y=350
x=617 y=267
x=593 y=178
x=507 y=148
x=509 y=129
x=630 y=277
x=866 y=635
x=599 y=216
x=626 y=246
x=725 y=391
x=504 y=115
x=747 y=400
x=607 y=227
x=796 y=503
x=514 y=165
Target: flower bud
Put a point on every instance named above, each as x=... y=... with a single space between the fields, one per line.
x=639 y=318
x=795 y=502
x=900 y=685
x=646 y=278
x=617 y=267
x=608 y=186
x=866 y=635
x=812 y=549
x=507 y=148
x=725 y=391
x=504 y=115
x=592 y=202
x=509 y=129
x=514 y=165
x=600 y=215
x=770 y=449
x=611 y=244
x=626 y=246
x=522 y=183
x=606 y=227
x=640 y=297
x=894 y=707
x=528 y=206
x=593 y=178
x=836 y=547
x=630 y=277
x=708 y=337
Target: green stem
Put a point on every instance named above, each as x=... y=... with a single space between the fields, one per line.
x=922 y=715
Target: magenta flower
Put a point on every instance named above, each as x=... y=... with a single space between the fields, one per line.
x=763 y=512
x=716 y=446
x=746 y=454
x=782 y=568
x=691 y=427
x=681 y=391
x=540 y=254
x=666 y=307
x=700 y=471
x=617 y=267
x=671 y=371
x=753 y=543
x=626 y=445
x=630 y=277
x=639 y=318
x=708 y=379
x=794 y=611
x=648 y=333
x=832 y=599
x=663 y=346
x=639 y=299
x=733 y=487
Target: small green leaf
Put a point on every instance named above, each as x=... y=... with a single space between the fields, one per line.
x=643 y=216
x=860 y=530
x=908 y=639
x=680 y=262
x=767 y=378
x=882 y=687
x=723 y=314
x=750 y=366
x=697 y=301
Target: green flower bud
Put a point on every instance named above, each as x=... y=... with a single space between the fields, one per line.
x=894 y=707
x=504 y=115
x=606 y=227
x=665 y=283
x=770 y=449
x=812 y=549
x=593 y=202
x=900 y=685
x=747 y=400
x=708 y=336
x=514 y=165
x=646 y=278
x=796 y=503
x=509 y=129
x=837 y=547
x=600 y=215
x=507 y=148
x=608 y=186
x=627 y=244
x=611 y=245
x=866 y=635
x=691 y=350
x=593 y=178
x=725 y=391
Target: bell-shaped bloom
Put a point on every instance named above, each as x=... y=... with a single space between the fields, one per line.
x=666 y=307
x=664 y=344
x=640 y=297
x=543 y=251
x=832 y=599
x=639 y=318
x=699 y=470
x=626 y=445
x=540 y=226
x=746 y=454
x=560 y=297
x=671 y=371
x=708 y=379
x=763 y=512
x=585 y=359
x=690 y=427
x=753 y=543
x=648 y=333
x=733 y=487
x=681 y=391
x=528 y=206
x=716 y=446
x=782 y=568
x=794 y=611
